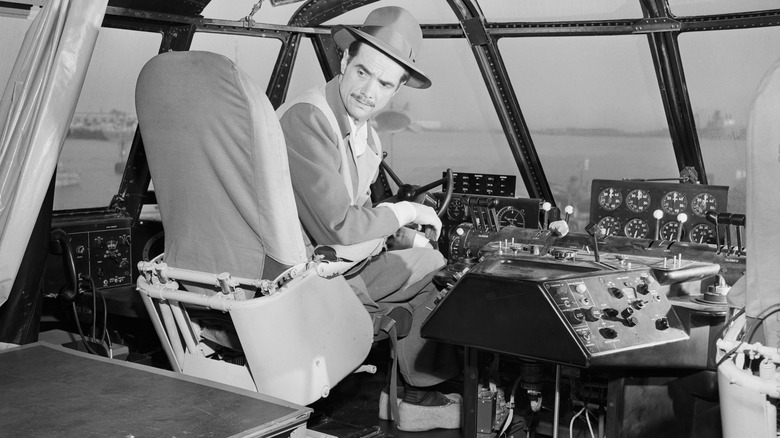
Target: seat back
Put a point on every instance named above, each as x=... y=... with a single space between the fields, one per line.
x=219 y=166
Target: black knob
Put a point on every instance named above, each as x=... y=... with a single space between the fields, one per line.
x=608 y=333
x=662 y=323
x=617 y=293
x=610 y=312
x=632 y=321
x=642 y=288
x=627 y=312
x=575 y=316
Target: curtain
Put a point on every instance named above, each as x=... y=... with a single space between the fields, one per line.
x=35 y=111
x=763 y=208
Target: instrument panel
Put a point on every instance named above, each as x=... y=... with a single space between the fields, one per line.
x=476 y=218
x=493 y=213
x=657 y=210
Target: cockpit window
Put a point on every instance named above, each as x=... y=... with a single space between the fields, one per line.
x=722 y=79
x=251 y=54
x=426 y=12
x=560 y=10
x=307 y=72
x=452 y=124
x=101 y=133
x=708 y=7
x=594 y=111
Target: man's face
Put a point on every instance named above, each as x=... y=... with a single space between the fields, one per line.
x=369 y=80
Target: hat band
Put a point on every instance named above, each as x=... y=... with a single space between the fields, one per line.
x=392 y=38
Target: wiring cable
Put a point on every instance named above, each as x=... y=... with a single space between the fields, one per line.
x=748 y=337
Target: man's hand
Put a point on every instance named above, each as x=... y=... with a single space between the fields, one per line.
x=425 y=215
x=413 y=213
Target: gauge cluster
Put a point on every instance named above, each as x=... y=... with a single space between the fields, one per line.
x=469 y=216
x=640 y=209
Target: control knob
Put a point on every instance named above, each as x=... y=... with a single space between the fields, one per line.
x=608 y=333
x=616 y=292
x=575 y=316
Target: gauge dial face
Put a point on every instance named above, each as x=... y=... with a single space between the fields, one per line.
x=674 y=203
x=610 y=225
x=702 y=203
x=637 y=228
x=457 y=210
x=458 y=236
x=669 y=230
x=610 y=199
x=638 y=200
x=702 y=233
x=510 y=216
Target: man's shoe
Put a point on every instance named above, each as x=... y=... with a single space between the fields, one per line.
x=418 y=418
x=384 y=403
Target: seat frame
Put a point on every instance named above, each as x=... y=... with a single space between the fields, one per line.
x=304 y=333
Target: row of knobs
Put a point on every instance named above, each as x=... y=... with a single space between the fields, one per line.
x=592 y=314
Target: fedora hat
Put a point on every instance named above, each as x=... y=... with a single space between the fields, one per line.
x=394 y=32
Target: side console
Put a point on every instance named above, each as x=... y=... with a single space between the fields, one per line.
x=529 y=298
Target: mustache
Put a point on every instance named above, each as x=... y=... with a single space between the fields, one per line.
x=360 y=98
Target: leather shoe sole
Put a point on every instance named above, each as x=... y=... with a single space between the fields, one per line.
x=417 y=418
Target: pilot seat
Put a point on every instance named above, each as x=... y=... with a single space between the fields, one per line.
x=234 y=249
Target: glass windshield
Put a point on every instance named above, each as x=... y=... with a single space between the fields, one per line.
x=710 y=7
x=452 y=124
x=594 y=111
x=722 y=78
x=101 y=133
x=560 y=10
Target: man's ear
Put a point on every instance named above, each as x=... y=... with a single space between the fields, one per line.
x=344 y=62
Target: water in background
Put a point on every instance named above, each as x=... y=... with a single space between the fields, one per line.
x=88 y=173
x=90 y=170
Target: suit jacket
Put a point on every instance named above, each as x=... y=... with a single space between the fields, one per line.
x=324 y=203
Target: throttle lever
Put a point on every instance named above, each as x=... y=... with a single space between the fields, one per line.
x=725 y=218
x=738 y=220
x=712 y=217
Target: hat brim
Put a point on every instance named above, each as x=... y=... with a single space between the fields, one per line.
x=344 y=36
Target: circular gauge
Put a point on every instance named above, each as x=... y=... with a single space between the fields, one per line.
x=674 y=202
x=669 y=230
x=637 y=228
x=702 y=233
x=610 y=225
x=457 y=236
x=610 y=199
x=702 y=203
x=510 y=216
x=638 y=200
x=457 y=210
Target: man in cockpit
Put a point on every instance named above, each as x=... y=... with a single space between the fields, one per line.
x=334 y=155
